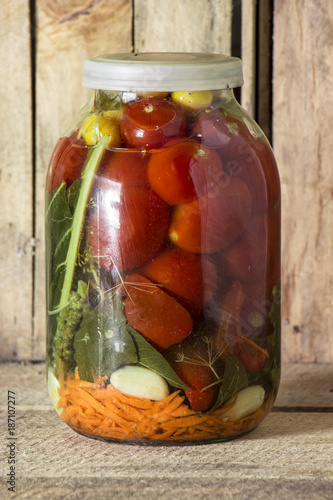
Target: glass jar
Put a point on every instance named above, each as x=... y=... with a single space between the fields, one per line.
x=163 y=255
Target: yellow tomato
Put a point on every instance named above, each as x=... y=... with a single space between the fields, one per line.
x=193 y=101
x=161 y=95
x=95 y=127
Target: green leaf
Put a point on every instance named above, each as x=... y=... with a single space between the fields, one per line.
x=235 y=379
x=73 y=194
x=58 y=215
x=103 y=344
x=152 y=359
x=59 y=220
x=108 y=100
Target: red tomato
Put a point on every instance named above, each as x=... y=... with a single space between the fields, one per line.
x=190 y=360
x=185 y=276
x=255 y=165
x=256 y=308
x=150 y=123
x=249 y=158
x=228 y=334
x=250 y=257
x=201 y=400
x=251 y=355
x=152 y=312
x=214 y=221
x=229 y=338
x=66 y=163
x=126 y=166
x=129 y=226
x=219 y=129
x=183 y=171
x=258 y=300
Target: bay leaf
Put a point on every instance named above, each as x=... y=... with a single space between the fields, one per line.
x=235 y=379
x=154 y=361
x=103 y=344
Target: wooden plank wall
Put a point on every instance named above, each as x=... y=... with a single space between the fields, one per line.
x=16 y=182
x=302 y=127
x=43 y=46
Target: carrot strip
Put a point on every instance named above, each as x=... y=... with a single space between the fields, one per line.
x=160 y=405
x=136 y=415
x=126 y=411
x=182 y=411
x=219 y=412
x=90 y=411
x=181 y=431
x=62 y=402
x=72 y=410
x=143 y=404
x=255 y=346
x=81 y=383
x=184 y=422
x=172 y=406
x=94 y=422
x=163 y=435
x=148 y=429
x=73 y=422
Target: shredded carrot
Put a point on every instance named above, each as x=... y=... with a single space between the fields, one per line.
x=182 y=411
x=184 y=421
x=140 y=403
x=97 y=409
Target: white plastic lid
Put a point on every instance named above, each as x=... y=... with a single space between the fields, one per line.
x=162 y=71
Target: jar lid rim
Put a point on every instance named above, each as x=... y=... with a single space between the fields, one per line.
x=162 y=71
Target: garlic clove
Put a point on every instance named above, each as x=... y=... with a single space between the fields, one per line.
x=248 y=400
x=53 y=387
x=140 y=382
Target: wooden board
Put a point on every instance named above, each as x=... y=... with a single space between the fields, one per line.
x=302 y=126
x=289 y=454
x=16 y=182
x=306 y=386
x=189 y=26
x=67 y=34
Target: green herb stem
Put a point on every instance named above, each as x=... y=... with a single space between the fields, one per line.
x=74 y=243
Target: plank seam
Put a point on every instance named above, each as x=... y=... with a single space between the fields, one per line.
x=33 y=32
x=133 y=26
x=265 y=19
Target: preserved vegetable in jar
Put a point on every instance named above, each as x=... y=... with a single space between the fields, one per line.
x=163 y=255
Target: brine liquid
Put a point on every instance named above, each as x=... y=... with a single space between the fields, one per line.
x=165 y=258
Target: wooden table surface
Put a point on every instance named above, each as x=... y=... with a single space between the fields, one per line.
x=289 y=456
